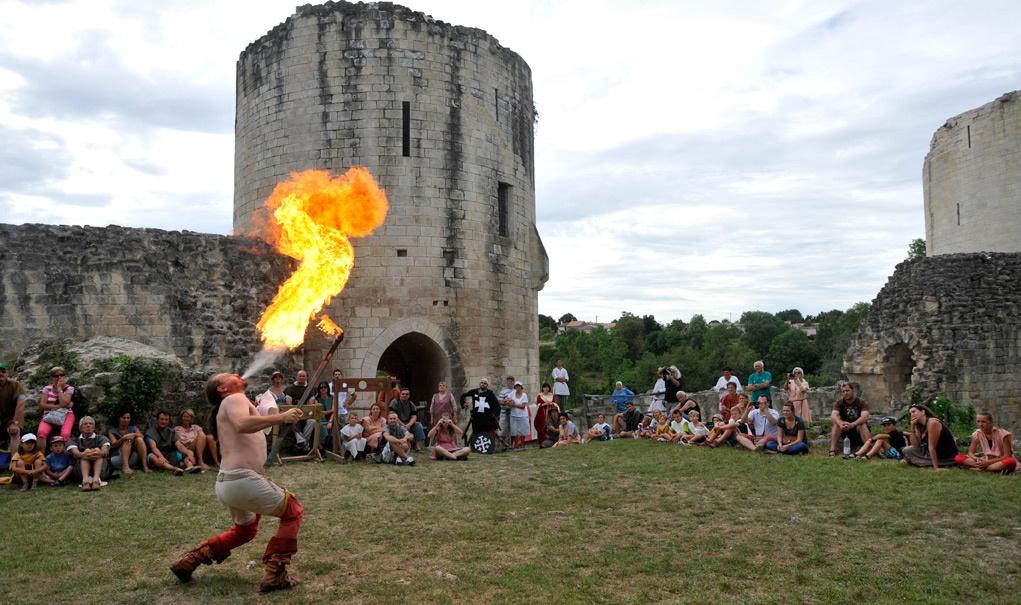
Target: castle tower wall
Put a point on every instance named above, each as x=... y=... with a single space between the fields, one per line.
x=443 y=117
x=972 y=181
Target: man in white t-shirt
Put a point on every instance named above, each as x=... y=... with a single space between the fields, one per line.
x=339 y=392
x=728 y=377
x=600 y=431
x=764 y=421
x=351 y=436
x=560 y=380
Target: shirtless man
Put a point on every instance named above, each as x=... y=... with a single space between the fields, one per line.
x=242 y=488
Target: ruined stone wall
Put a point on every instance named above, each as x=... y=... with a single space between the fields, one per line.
x=333 y=87
x=972 y=181
x=945 y=325
x=193 y=295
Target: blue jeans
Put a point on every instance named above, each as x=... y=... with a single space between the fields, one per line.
x=798 y=448
x=419 y=432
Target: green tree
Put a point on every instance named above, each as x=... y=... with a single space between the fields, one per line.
x=760 y=328
x=696 y=331
x=916 y=249
x=792 y=315
x=792 y=349
x=545 y=321
x=566 y=318
x=631 y=330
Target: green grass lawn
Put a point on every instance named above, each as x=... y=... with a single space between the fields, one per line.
x=605 y=523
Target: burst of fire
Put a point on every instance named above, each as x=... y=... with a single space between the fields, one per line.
x=312 y=215
x=326 y=326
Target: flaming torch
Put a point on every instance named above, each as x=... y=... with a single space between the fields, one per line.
x=312 y=216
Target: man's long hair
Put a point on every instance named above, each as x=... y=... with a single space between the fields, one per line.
x=214 y=397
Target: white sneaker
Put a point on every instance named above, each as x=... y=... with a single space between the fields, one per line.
x=103 y=484
x=410 y=461
x=398 y=460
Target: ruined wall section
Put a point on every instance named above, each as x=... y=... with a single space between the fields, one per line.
x=193 y=295
x=972 y=181
x=327 y=89
x=945 y=325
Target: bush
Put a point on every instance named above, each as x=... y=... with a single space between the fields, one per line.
x=52 y=353
x=959 y=418
x=140 y=386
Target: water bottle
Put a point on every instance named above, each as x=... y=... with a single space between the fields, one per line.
x=847 y=446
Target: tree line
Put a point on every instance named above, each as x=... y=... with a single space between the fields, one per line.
x=637 y=345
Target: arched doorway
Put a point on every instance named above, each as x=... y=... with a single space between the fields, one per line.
x=898 y=365
x=418 y=362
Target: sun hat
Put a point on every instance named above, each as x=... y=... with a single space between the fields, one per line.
x=28 y=437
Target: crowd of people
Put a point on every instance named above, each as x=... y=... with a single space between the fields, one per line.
x=396 y=430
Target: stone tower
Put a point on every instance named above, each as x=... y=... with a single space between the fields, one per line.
x=442 y=115
x=972 y=181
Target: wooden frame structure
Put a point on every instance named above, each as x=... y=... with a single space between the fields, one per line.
x=361 y=385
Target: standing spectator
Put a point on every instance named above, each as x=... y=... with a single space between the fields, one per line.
x=518 y=403
x=12 y=405
x=560 y=380
x=658 y=403
x=58 y=462
x=727 y=378
x=889 y=444
x=568 y=432
x=195 y=440
x=932 y=443
x=90 y=449
x=407 y=413
x=850 y=417
x=485 y=409
x=127 y=445
x=55 y=404
x=505 y=411
x=620 y=396
x=342 y=397
x=28 y=465
x=445 y=432
x=763 y=420
x=759 y=383
x=627 y=423
x=352 y=438
x=671 y=386
x=728 y=401
x=791 y=434
x=997 y=454
x=797 y=393
x=546 y=403
x=374 y=426
x=442 y=403
x=275 y=396
x=165 y=451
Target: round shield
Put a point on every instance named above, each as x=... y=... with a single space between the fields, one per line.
x=483 y=443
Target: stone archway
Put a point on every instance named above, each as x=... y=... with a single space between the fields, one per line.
x=898 y=366
x=418 y=353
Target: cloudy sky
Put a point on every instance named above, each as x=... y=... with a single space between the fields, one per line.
x=691 y=157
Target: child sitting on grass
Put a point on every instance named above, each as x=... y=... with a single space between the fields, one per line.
x=695 y=430
x=888 y=444
x=58 y=462
x=29 y=466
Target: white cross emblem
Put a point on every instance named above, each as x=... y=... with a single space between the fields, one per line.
x=481 y=405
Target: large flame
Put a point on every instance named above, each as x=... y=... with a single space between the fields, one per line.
x=311 y=218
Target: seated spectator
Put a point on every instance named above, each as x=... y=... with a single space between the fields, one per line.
x=58 y=462
x=763 y=420
x=645 y=428
x=90 y=449
x=600 y=431
x=627 y=423
x=694 y=430
x=127 y=445
x=997 y=455
x=324 y=399
x=28 y=465
x=445 y=433
x=719 y=428
x=568 y=432
x=407 y=413
x=888 y=444
x=734 y=426
x=551 y=431
x=398 y=439
x=662 y=431
x=728 y=401
x=165 y=450
x=55 y=404
x=196 y=441
x=850 y=417
x=443 y=403
x=373 y=433
x=932 y=443
x=620 y=396
x=791 y=438
x=685 y=404
x=677 y=426
x=351 y=437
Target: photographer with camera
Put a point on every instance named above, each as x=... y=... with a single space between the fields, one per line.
x=445 y=432
x=668 y=383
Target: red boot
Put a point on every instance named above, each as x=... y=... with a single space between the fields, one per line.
x=276 y=576
x=186 y=565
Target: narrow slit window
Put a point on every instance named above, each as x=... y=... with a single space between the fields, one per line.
x=402 y=252
x=958 y=215
x=496 y=102
x=969 y=136
x=406 y=122
x=503 y=193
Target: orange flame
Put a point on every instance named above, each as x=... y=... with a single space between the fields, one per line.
x=312 y=217
x=326 y=326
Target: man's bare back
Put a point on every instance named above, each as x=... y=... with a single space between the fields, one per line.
x=239 y=426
